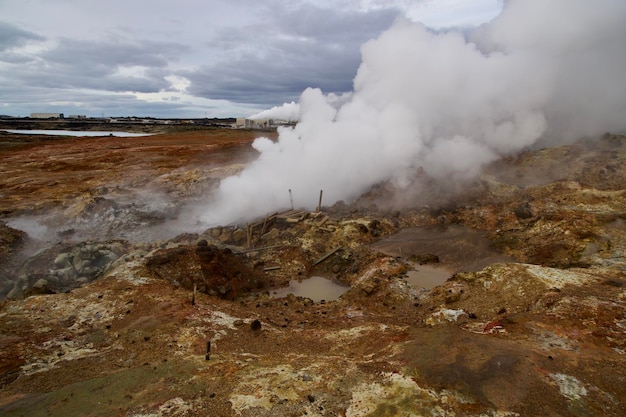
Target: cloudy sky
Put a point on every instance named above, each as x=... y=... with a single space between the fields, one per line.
x=194 y=58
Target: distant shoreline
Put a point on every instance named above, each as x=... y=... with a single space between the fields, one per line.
x=76 y=133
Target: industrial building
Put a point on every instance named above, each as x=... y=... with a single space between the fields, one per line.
x=46 y=115
x=243 y=123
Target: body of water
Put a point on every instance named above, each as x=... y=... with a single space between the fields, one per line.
x=77 y=133
x=316 y=288
x=425 y=276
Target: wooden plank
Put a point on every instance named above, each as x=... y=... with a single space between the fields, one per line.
x=292 y=214
x=328 y=255
x=287 y=213
x=258 y=249
x=271 y=268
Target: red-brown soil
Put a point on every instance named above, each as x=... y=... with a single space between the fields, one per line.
x=531 y=324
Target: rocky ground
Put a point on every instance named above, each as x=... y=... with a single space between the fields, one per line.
x=102 y=315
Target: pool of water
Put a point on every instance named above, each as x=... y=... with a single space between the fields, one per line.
x=459 y=248
x=77 y=133
x=425 y=276
x=316 y=288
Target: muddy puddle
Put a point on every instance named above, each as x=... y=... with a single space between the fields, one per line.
x=317 y=288
x=453 y=247
x=426 y=276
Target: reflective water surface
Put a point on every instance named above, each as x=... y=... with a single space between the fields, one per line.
x=425 y=276
x=77 y=133
x=316 y=288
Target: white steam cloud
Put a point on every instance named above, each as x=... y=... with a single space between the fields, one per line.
x=289 y=112
x=444 y=103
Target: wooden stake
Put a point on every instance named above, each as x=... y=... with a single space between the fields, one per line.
x=193 y=297
x=319 y=206
x=291 y=198
x=258 y=239
x=208 y=350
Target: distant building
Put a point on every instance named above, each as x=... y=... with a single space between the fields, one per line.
x=46 y=115
x=76 y=116
x=243 y=123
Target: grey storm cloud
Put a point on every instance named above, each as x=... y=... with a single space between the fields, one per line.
x=12 y=36
x=114 y=52
x=296 y=49
x=242 y=56
x=95 y=65
x=121 y=104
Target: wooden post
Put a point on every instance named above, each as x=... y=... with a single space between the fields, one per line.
x=208 y=350
x=291 y=198
x=319 y=205
x=258 y=239
x=193 y=297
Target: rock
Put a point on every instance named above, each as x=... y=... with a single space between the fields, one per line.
x=105 y=256
x=91 y=271
x=239 y=236
x=369 y=286
x=77 y=262
x=14 y=293
x=65 y=276
x=206 y=253
x=272 y=234
x=523 y=211
x=375 y=224
x=11 y=240
x=40 y=287
x=215 y=232
x=255 y=325
x=226 y=235
x=62 y=260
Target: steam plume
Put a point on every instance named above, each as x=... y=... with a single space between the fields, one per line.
x=288 y=112
x=446 y=103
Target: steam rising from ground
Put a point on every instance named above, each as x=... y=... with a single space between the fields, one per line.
x=289 y=112
x=442 y=105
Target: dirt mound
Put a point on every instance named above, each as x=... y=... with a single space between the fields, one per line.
x=11 y=240
x=207 y=268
